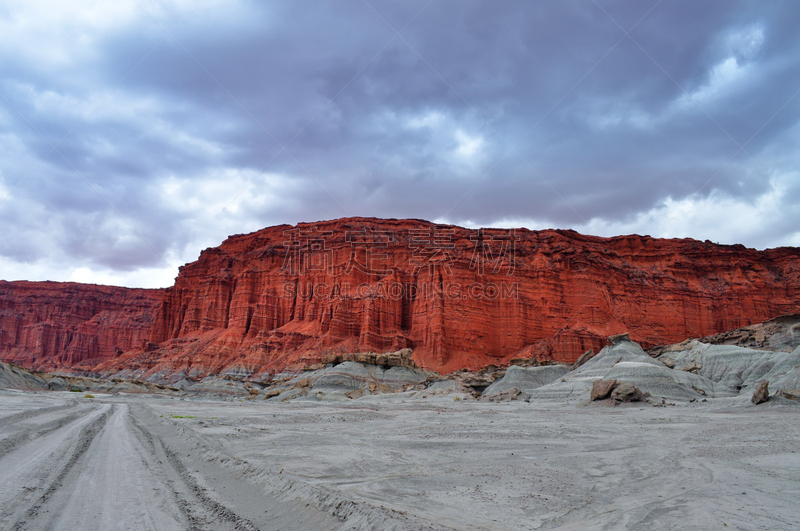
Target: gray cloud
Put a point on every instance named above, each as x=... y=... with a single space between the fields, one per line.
x=477 y=113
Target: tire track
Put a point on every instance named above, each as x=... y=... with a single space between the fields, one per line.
x=24 y=415
x=271 y=500
x=9 y=444
x=116 y=484
x=190 y=485
x=25 y=472
x=85 y=438
x=183 y=504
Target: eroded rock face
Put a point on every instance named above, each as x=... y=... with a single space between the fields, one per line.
x=459 y=298
x=781 y=333
x=526 y=379
x=401 y=358
x=737 y=368
x=290 y=297
x=49 y=325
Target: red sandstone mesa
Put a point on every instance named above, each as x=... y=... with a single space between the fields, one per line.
x=284 y=296
x=48 y=325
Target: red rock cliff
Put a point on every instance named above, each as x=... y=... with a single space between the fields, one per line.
x=49 y=325
x=285 y=296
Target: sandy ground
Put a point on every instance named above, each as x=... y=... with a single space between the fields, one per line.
x=391 y=462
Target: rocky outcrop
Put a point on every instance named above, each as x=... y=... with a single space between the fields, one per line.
x=779 y=334
x=526 y=379
x=761 y=394
x=737 y=368
x=349 y=379
x=293 y=297
x=586 y=356
x=401 y=358
x=789 y=394
x=459 y=298
x=50 y=325
x=627 y=363
x=626 y=392
x=601 y=389
x=12 y=377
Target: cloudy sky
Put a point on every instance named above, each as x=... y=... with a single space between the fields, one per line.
x=134 y=133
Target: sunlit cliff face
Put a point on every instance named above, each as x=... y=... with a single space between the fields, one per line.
x=288 y=296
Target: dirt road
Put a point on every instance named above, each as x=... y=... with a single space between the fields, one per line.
x=392 y=463
x=85 y=464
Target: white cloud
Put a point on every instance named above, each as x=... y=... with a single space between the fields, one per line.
x=50 y=34
x=225 y=201
x=223 y=190
x=745 y=41
x=144 y=277
x=733 y=73
x=729 y=76
x=451 y=140
x=717 y=217
x=205 y=210
x=50 y=270
x=609 y=115
x=724 y=79
x=469 y=146
x=63 y=32
x=754 y=222
x=431 y=119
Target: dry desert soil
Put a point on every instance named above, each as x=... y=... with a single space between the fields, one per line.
x=125 y=461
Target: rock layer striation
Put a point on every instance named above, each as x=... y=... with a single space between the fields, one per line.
x=289 y=297
x=54 y=325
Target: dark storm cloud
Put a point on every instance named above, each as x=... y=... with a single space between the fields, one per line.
x=477 y=112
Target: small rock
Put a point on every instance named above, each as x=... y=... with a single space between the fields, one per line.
x=789 y=394
x=761 y=393
x=692 y=367
x=271 y=393
x=509 y=394
x=356 y=393
x=669 y=363
x=619 y=338
x=586 y=356
x=57 y=384
x=626 y=392
x=601 y=389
